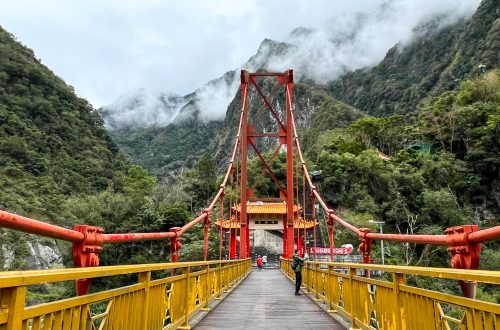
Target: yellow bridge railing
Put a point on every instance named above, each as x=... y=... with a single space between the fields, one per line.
x=372 y=303
x=164 y=297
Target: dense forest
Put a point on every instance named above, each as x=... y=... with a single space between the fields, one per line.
x=442 y=167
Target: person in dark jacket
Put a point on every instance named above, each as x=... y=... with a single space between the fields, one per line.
x=298 y=262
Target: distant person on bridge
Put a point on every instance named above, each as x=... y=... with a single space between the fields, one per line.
x=297 y=264
x=259 y=262
x=264 y=260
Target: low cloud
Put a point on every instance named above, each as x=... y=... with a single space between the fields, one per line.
x=346 y=42
x=142 y=108
x=350 y=42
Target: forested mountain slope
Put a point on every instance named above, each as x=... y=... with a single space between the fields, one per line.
x=165 y=151
x=53 y=144
x=435 y=62
x=59 y=165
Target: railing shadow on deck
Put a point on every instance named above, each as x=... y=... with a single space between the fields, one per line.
x=165 y=296
x=378 y=303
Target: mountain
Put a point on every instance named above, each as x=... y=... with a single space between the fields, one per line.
x=174 y=132
x=49 y=137
x=315 y=111
x=323 y=61
x=53 y=145
x=437 y=61
x=165 y=151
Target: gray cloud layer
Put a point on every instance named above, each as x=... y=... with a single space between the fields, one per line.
x=144 y=49
x=343 y=43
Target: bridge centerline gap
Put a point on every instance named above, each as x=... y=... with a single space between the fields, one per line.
x=266 y=300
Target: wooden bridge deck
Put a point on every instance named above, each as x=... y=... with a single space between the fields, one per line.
x=266 y=300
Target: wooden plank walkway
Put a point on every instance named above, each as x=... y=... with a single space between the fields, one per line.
x=266 y=300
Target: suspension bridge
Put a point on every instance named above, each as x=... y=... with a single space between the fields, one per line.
x=172 y=295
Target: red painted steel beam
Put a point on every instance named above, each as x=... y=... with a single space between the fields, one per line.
x=266 y=166
x=275 y=153
x=271 y=97
x=266 y=74
x=192 y=223
x=485 y=235
x=269 y=106
x=276 y=135
x=344 y=223
x=27 y=225
x=288 y=79
x=244 y=248
x=136 y=237
x=419 y=239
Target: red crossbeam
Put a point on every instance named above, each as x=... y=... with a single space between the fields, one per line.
x=27 y=225
x=136 y=237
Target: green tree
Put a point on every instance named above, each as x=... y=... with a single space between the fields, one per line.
x=201 y=182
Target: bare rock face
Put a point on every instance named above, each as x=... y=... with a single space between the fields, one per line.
x=44 y=256
x=7 y=257
x=39 y=255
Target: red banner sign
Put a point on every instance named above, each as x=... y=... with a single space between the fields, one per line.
x=326 y=250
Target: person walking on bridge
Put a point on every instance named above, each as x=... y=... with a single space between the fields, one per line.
x=297 y=264
x=259 y=262
x=264 y=260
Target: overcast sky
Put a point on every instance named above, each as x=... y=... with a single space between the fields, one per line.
x=109 y=48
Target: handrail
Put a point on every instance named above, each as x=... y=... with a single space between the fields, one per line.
x=158 y=299
x=30 y=277
x=463 y=241
x=88 y=240
x=136 y=237
x=392 y=302
x=483 y=276
x=221 y=190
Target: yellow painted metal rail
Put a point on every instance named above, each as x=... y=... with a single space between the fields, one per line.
x=381 y=304
x=164 y=297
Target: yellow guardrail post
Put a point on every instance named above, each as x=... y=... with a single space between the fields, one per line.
x=16 y=304
x=307 y=278
x=185 y=325
x=329 y=289
x=398 y=279
x=146 y=279
x=238 y=271
x=219 y=270
x=316 y=283
x=350 y=289
x=208 y=289
x=227 y=276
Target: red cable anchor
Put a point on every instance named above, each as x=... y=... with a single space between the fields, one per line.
x=465 y=255
x=86 y=253
x=365 y=247
x=175 y=244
